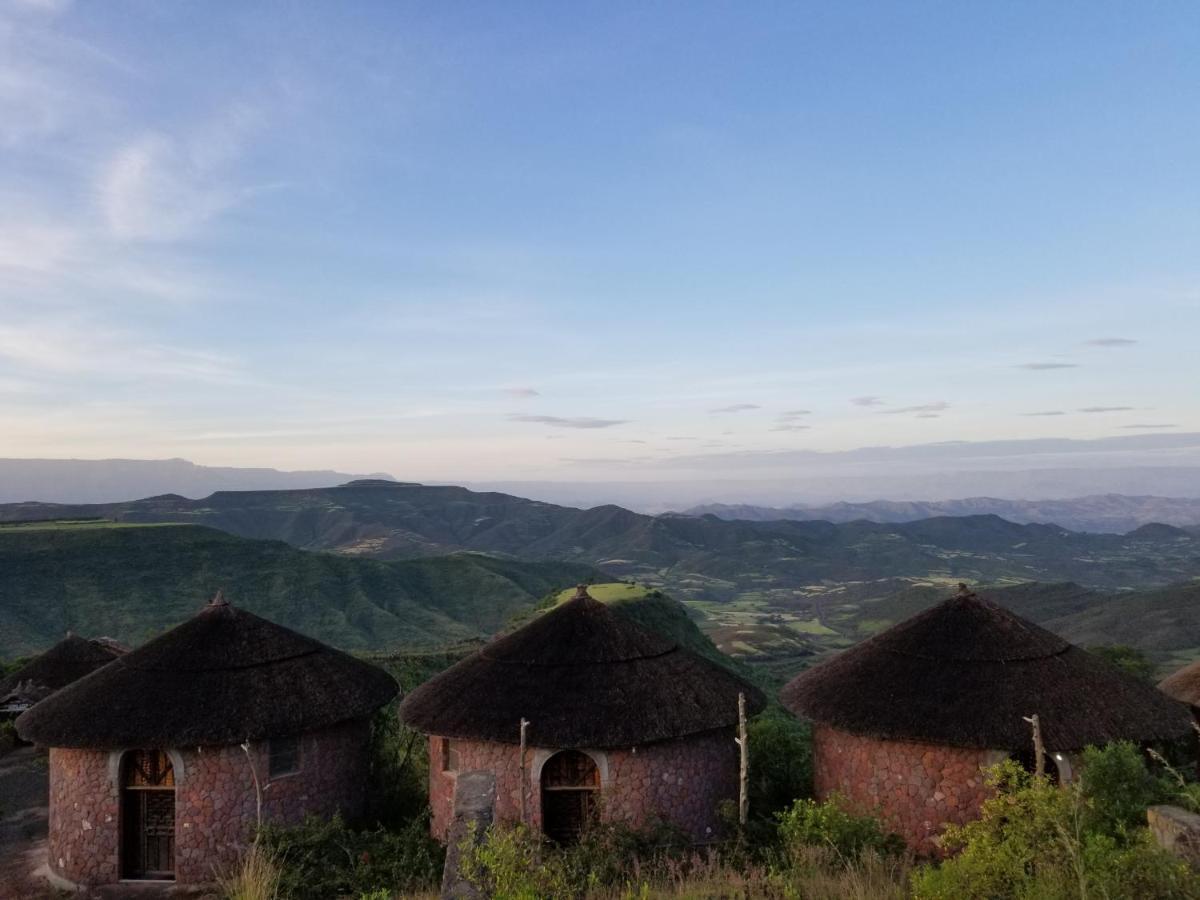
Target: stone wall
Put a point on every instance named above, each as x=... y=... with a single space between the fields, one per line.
x=84 y=817
x=214 y=801
x=215 y=805
x=915 y=788
x=681 y=781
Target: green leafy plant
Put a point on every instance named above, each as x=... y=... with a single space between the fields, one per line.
x=324 y=858
x=808 y=823
x=1035 y=839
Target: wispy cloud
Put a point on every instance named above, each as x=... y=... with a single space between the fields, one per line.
x=1111 y=342
x=1152 y=425
x=162 y=186
x=791 y=428
x=568 y=421
x=735 y=408
x=789 y=415
x=1105 y=409
x=868 y=400
x=521 y=392
x=1046 y=412
x=924 y=410
x=1046 y=366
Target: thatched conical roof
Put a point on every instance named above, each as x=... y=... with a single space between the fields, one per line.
x=967 y=672
x=222 y=677
x=67 y=661
x=1183 y=684
x=584 y=677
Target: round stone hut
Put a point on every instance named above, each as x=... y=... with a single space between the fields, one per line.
x=906 y=721
x=623 y=723
x=67 y=661
x=160 y=761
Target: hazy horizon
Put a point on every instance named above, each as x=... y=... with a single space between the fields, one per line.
x=681 y=243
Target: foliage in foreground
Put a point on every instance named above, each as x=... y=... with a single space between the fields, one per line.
x=326 y=858
x=514 y=863
x=256 y=876
x=1037 y=840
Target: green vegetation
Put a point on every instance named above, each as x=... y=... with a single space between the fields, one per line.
x=1127 y=659
x=1037 y=840
x=132 y=583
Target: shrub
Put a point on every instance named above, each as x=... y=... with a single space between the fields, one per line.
x=1128 y=659
x=325 y=858
x=809 y=823
x=1117 y=788
x=1037 y=840
x=780 y=763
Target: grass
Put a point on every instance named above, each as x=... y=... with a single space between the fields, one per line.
x=79 y=525
x=611 y=592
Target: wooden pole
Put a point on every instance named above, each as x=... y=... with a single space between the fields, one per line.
x=524 y=725
x=1039 y=749
x=744 y=769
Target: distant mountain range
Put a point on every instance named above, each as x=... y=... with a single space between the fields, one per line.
x=132 y=582
x=1105 y=513
x=108 y=480
x=703 y=557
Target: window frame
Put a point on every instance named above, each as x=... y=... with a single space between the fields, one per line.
x=276 y=748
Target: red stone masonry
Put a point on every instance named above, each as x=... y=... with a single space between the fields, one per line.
x=214 y=801
x=914 y=788
x=681 y=781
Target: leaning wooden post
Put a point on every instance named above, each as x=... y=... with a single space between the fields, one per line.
x=1039 y=749
x=744 y=769
x=524 y=725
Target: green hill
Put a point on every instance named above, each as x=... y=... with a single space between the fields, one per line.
x=131 y=583
x=697 y=558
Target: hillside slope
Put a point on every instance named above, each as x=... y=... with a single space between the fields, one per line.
x=1105 y=513
x=702 y=558
x=132 y=582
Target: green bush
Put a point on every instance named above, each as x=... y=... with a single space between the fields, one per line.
x=780 y=763
x=1035 y=839
x=516 y=863
x=809 y=823
x=325 y=858
x=399 y=772
x=1128 y=659
x=1117 y=787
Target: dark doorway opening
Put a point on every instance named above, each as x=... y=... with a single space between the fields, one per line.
x=570 y=787
x=147 y=815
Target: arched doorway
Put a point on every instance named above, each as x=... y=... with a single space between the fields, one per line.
x=570 y=785
x=147 y=815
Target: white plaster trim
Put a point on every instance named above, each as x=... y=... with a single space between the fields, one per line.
x=542 y=755
x=114 y=765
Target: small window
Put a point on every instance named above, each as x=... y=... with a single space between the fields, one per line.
x=284 y=756
x=449 y=756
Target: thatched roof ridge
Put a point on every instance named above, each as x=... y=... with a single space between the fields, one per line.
x=69 y=660
x=967 y=672
x=584 y=677
x=1183 y=684
x=222 y=677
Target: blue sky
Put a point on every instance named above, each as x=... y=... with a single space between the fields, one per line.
x=580 y=241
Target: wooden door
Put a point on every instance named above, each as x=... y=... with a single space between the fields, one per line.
x=147 y=815
x=570 y=786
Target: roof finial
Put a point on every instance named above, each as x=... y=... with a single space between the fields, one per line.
x=964 y=591
x=219 y=599
x=581 y=592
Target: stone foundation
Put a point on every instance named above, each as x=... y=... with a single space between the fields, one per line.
x=915 y=789
x=214 y=801
x=681 y=782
